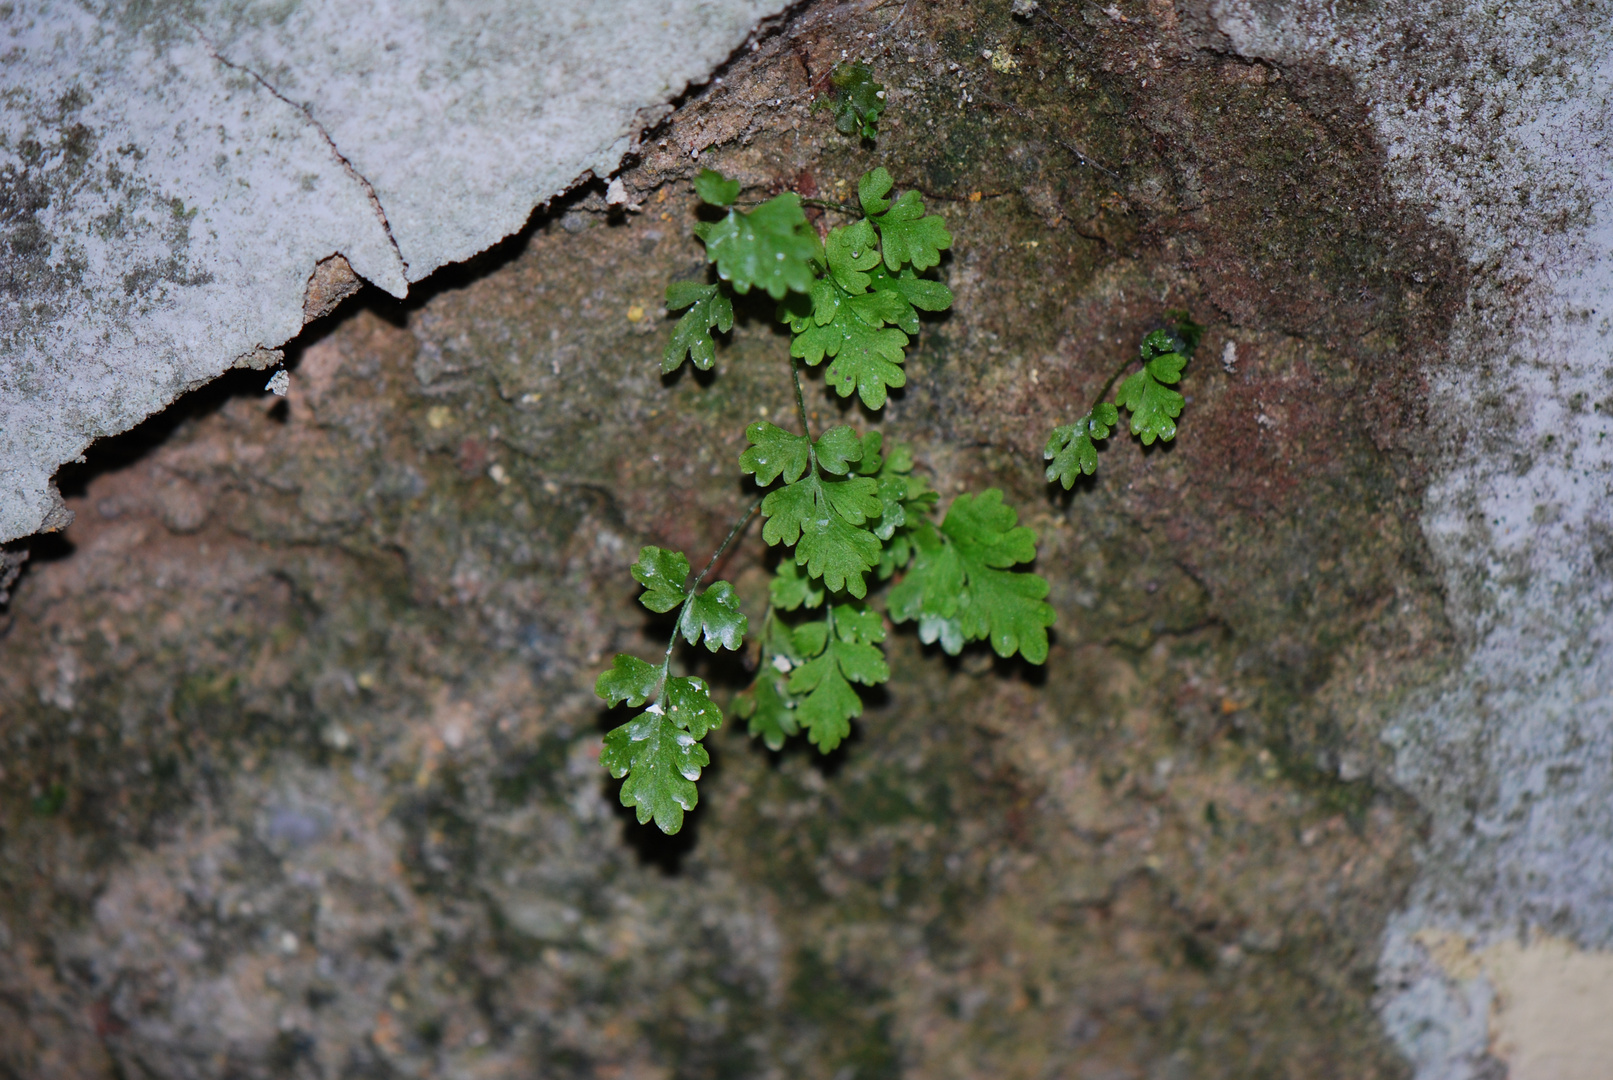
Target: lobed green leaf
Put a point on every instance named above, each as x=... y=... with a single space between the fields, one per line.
x=851 y=331
x=659 y=763
x=906 y=501
x=850 y=250
x=855 y=498
x=813 y=516
x=872 y=461
x=785 y=509
x=709 y=307
x=768 y=705
x=838 y=552
x=858 y=624
x=872 y=188
x=779 y=648
x=769 y=710
x=774 y=452
x=959 y=588
x=865 y=361
x=807 y=676
x=1007 y=609
x=689 y=706
x=902 y=296
x=792 y=587
x=1072 y=449
x=830 y=704
x=809 y=639
x=826 y=300
x=662 y=573
x=824 y=521
x=987 y=531
x=907 y=235
x=878 y=308
x=860 y=663
x=1154 y=406
x=629 y=680
x=715 y=188
x=772 y=247
x=858 y=100
x=838 y=449
x=932 y=590
x=715 y=616
x=895 y=556
x=836 y=661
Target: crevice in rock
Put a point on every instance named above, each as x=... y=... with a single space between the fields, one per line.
x=307 y=114
x=11 y=561
x=332 y=281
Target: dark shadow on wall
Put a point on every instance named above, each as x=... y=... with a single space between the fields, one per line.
x=652 y=846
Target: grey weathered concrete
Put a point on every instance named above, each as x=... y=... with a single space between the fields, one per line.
x=170 y=174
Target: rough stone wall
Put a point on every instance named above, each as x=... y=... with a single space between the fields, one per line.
x=300 y=776
x=1497 y=124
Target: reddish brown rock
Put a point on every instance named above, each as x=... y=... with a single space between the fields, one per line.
x=301 y=773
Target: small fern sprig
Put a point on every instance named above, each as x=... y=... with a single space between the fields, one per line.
x=855 y=99
x=659 y=752
x=847 y=513
x=1072 y=448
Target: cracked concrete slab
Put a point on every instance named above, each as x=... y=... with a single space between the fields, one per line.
x=172 y=174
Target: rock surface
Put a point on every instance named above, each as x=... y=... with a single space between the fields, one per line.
x=171 y=174
x=1503 y=130
x=301 y=774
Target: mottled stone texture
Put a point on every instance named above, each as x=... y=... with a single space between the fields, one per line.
x=300 y=774
x=1498 y=125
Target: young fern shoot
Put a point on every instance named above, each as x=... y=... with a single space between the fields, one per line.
x=659 y=752
x=847 y=513
x=1072 y=448
x=855 y=99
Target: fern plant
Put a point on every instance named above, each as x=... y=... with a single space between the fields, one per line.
x=855 y=99
x=1072 y=448
x=848 y=513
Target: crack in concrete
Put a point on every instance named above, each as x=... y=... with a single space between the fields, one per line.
x=307 y=114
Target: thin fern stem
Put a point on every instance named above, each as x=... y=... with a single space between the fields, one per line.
x=1110 y=385
x=800 y=408
x=820 y=204
x=839 y=207
x=694 y=587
